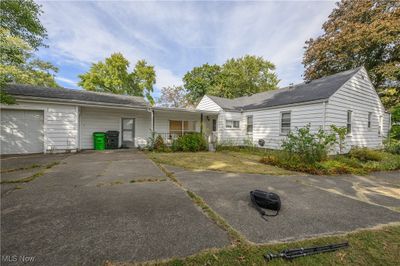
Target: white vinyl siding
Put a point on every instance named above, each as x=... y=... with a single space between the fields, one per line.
x=104 y=119
x=60 y=124
x=207 y=104
x=266 y=124
x=359 y=96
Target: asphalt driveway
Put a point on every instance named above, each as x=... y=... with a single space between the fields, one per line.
x=311 y=205
x=87 y=209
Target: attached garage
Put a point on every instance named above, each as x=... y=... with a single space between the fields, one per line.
x=22 y=131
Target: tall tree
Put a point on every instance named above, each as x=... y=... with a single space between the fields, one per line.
x=112 y=76
x=199 y=80
x=245 y=76
x=21 y=19
x=174 y=96
x=360 y=33
x=236 y=77
x=21 y=33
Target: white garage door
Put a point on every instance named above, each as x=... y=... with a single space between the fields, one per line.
x=21 y=131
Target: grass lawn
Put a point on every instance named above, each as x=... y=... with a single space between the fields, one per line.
x=227 y=161
x=368 y=247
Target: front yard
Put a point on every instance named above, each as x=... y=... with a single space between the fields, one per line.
x=369 y=247
x=227 y=161
x=270 y=162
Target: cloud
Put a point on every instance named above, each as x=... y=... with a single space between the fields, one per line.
x=176 y=36
x=67 y=81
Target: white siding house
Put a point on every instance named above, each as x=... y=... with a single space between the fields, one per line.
x=63 y=120
x=320 y=103
x=369 y=121
x=58 y=120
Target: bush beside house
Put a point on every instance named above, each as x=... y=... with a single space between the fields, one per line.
x=192 y=142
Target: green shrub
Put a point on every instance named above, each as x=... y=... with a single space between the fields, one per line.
x=190 y=142
x=338 y=167
x=352 y=162
x=159 y=144
x=365 y=154
x=311 y=147
x=393 y=147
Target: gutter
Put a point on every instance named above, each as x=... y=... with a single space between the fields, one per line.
x=281 y=106
x=324 y=117
x=78 y=103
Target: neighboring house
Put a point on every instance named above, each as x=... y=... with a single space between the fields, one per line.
x=59 y=120
x=347 y=99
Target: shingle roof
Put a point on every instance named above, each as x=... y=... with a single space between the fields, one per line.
x=75 y=95
x=318 y=89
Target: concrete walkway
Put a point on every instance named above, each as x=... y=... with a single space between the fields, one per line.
x=86 y=210
x=311 y=205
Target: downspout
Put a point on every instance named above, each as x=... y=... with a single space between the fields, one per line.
x=389 y=128
x=79 y=129
x=201 y=123
x=152 y=120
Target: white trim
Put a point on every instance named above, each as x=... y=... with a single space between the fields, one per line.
x=324 y=117
x=281 y=106
x=280 y=122
x=78 y=103
x=79 y=143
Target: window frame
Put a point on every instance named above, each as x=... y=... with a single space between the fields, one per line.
x=380 y=125
x=232 y=124
x=281 y=127
x=249 y=125
x=349 y=122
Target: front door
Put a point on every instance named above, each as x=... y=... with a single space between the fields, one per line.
x=128 y=132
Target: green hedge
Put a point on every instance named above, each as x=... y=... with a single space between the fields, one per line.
x=190 y=142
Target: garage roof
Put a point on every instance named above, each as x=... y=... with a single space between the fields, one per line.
x=75 y=95
x=317 y=89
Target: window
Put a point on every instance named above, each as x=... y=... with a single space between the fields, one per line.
x=285 y=122
x=179 y=127
x=369 y=119
x=380 y=125
x=349 y=121
x=232 y=124
x=250 y=124
x=214 y=125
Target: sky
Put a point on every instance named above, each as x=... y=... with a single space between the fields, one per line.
x=174 y=37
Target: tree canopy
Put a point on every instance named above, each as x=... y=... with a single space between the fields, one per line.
x=173 y=96
x=21 y=19
x=360 y=33
x=236 y=77
x=21 y=33
x=112 y=76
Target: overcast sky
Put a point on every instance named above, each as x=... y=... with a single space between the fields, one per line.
x=177 y=36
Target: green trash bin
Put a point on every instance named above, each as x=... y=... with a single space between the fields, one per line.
x=99 y=141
